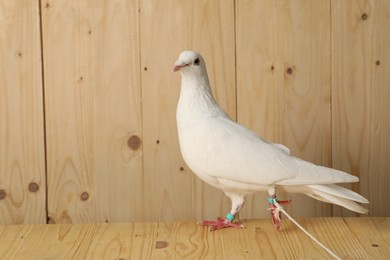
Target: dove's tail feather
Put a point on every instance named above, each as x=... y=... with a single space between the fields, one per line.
x=335 y=194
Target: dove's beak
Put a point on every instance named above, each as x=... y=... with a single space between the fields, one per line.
x=179 y=66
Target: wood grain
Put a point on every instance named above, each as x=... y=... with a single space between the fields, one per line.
x=350 y=238
x=93 y=109
x=283 y=84
x=360 y=86
x=22 y=147
x=167 y=28
x=312 y=75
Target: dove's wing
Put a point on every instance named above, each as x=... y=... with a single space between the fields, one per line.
x=223 y=149
x=282 y=147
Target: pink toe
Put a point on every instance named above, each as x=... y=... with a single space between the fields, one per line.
x=219 y=224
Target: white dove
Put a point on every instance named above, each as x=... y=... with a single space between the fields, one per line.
x=236 y=160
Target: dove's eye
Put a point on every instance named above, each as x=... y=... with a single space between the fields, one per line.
x=196 y=62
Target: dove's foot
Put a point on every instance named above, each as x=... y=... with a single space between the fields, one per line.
x=219 y=224
x=276 y=216
x=275 y=212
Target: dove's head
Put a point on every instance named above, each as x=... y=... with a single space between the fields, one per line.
x=190 y=63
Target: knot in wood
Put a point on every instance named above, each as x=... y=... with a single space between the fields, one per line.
x=161 y=244
x=84 y=196
x=134 y=142
x=3 y=194
x=33 y=187
x=364 y=16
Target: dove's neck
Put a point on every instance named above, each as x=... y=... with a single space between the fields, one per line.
x=196 y=102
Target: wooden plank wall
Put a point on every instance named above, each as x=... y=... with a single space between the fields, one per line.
x=22 y=145
x=97 y=133
x=93 y=111
x=167 y=27
x=283 y=84
x=360 y=92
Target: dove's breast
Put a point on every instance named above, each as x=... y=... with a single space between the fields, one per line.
x=219 y=150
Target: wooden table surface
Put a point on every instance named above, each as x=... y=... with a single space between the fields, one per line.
x=350 y=238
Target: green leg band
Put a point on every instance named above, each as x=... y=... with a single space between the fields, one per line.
x=271 y=199
x=230 y=217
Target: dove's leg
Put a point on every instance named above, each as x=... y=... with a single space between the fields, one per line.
x=237 y=204
x=275 y=213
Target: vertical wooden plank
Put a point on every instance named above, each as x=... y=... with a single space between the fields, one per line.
x=283 y=84
x=361 y=93
x=22 y=159
x=93 y=108
x=167 y=28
